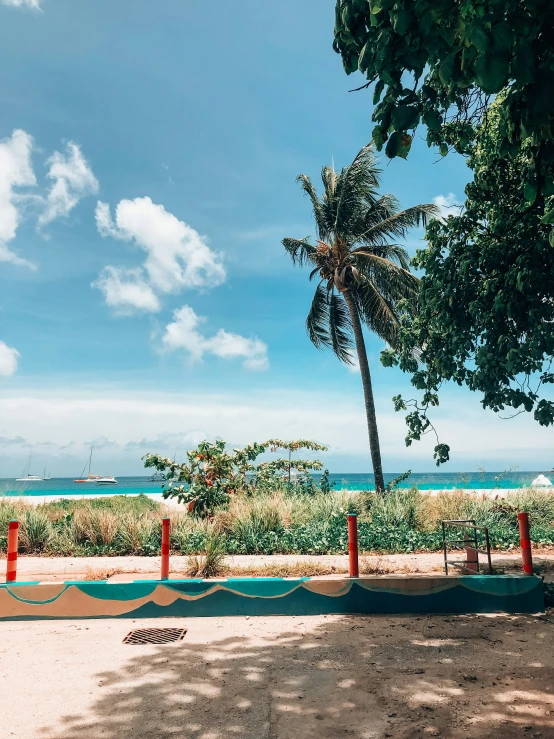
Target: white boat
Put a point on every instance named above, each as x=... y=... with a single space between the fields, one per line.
x=89 y=477
x=108 y=480
x=28 y=477
x=541 y=482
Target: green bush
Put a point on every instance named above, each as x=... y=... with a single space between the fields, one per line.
x=35 y=531
x=281 y=522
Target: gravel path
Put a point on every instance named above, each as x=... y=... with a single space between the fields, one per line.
x=75 y=568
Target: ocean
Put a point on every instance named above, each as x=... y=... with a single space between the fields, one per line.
x=343 y=481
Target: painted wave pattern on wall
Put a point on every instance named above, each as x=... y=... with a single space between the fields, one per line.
x=271 y=596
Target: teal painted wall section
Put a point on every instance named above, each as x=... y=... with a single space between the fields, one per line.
x=272 y=596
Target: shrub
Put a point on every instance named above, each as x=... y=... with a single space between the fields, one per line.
x=35 y=531
x=140 y=535
x=210 y=563
x=96 y=526
x=274 y=523
x=398 y=508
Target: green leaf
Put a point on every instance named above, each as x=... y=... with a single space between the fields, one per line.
x=398 y=145
x=502 y=38
x=401 y=21
x=548 y=219
x=530 y=193
x=443 y=149
x=491 y=72
x=523 y=63
x=405 y=117
x=365 y=56
x=375 y=19
x=379 y=87
x=378 y=138
x=393 y=145
x=478 y=37
x=551 y=238
x=447 y=69
x=432 y=119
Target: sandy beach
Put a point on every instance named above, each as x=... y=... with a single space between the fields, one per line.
x=491 y=493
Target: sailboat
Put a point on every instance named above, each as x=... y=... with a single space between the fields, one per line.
x=28 y=477
x=44 y=475
x=89 y=477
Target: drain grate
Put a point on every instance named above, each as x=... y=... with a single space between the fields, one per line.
x=154 y=636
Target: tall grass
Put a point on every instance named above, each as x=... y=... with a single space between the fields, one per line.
x=271 y=523
x=210 y=563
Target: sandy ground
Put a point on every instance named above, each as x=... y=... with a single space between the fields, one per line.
x=115 y=568
x=362 y=677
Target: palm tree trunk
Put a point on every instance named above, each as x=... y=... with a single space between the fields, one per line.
x=368 y=393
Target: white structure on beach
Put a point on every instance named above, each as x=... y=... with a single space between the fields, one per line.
x=541 y=482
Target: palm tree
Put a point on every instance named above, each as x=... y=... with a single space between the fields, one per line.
x=363 y=275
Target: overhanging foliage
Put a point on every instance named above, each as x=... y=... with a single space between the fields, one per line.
x=486 y=314
x=440 y=62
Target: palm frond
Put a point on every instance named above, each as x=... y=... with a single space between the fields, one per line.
x=300 y=250
x=317 y=206
x=393 y=252
x=397 y=225
x=330 y=178
x=317 y=321
x=340 y=329
x=356 y=191
x=392 y=281
x=377 y=312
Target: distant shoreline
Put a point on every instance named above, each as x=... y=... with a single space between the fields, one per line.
x=172 y=502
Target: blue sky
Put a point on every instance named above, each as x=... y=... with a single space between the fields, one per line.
x=169 y=311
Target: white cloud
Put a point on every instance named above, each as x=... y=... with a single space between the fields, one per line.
x=126 y=291
x=15 y=171
x=8 y=360
x=183 y=333
x=477 y=437
x=177 y=256
x=449 y=205
x=354 y=368
x=32 y=4
x=101 y=442
x=167 y=440
x=73 y=179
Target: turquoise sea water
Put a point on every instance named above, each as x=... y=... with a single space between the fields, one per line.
x=346 y=481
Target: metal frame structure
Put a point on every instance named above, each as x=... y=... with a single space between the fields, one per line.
x=468 y=543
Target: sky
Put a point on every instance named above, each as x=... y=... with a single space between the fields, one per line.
x=148 y=156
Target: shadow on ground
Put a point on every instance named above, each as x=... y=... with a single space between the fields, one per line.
x=359 y=677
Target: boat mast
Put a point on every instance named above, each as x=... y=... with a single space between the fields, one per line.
x=90 y=460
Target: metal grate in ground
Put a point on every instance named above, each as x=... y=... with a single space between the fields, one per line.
x=154 y=636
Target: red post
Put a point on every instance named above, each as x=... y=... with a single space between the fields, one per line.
x=525 y=542
x=353 y=569
x=165 y=548
x=11 y=569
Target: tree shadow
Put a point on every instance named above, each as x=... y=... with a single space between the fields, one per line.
x=461 y=677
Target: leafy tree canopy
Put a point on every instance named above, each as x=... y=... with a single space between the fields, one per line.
x=439 y=62
x=213 y=473
x=486 y=310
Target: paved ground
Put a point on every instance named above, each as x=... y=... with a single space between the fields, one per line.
x=461 y=677
x=73 y=568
